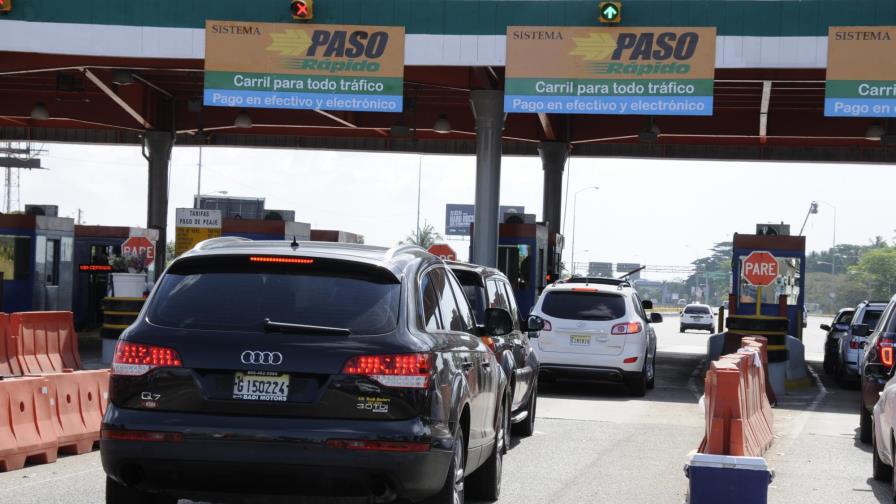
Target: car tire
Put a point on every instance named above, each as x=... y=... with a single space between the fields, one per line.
x=117 y=493
x=681 y=329
x=637 y=384
x=453 y=490
x=527 y=427
x=882 y=471
x=864 y=425
x=829 y=363
x=651 y=382
x=485 y=483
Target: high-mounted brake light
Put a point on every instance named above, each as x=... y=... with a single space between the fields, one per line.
x=136 y=359
x=400 y=370
x=281 y=260
x=584 y=289
x=627 y=328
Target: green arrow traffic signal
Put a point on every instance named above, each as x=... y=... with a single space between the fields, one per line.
x=610 y=12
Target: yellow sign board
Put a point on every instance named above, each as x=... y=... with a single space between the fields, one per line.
x=861 y=78
x=610 y=70
x=308 y=66
x=195 y=225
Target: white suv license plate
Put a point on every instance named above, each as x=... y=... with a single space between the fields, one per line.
x=261 y=386
x=577 y=340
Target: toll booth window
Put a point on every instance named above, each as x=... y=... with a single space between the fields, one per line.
x=15 y=253
x=787 y=284
x=52 y=262
x=513 y=261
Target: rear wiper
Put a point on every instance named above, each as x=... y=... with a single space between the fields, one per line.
x=271 y=326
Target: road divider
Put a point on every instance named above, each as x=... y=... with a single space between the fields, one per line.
x=44 y=342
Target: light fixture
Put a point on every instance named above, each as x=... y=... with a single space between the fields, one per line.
x=651 y=134
x=122 y=77
x=40 y=112
x=874 y=133
x=442 y=125
x=243 y=120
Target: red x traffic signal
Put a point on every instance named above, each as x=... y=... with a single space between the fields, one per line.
x=5 y=5
x=302 y=9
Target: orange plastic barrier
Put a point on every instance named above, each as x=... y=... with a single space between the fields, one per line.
x=44 y=342
x=9 y=365
x=739 y=418
x=78 y=403
x=26 y=426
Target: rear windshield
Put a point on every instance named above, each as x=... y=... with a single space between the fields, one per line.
x=697 y=310
x=232 y=294
x=871 y=318
x=583 y=305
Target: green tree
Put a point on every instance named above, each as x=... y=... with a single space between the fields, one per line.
x=877 y=270
x=425 y=236
x=714 y=272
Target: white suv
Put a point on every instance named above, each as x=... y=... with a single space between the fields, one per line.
x=597 y=330
x=697 y=316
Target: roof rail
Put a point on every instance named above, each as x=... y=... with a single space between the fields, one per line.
x=216 y=242
x=392 y=252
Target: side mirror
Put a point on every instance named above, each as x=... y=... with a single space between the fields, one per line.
x=498 y=322
x=860 y=330
x=825 y=327
x=647 y=304
x=656 y=318
x=535 y=323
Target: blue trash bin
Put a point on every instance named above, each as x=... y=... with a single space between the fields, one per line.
x=723 y=478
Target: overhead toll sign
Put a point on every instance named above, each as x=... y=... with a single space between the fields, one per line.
x=610 y=70
x=313 y=67
x=861 y=76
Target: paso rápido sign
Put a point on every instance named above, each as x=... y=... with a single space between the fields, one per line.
x=315 y=67
x=760 y=268
x=594 y=70
x=861 y=78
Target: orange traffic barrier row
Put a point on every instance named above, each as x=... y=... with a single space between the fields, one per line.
x=9 y=365
x=78 y=401
x=739 y=418
x=44 y=342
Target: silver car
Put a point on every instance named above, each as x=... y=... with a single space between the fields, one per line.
x=850 y=345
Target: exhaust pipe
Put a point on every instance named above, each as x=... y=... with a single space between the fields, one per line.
x=382 y=492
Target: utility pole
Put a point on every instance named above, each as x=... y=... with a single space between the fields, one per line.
x=15 y=156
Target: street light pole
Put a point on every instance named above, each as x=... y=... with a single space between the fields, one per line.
x=575 y=201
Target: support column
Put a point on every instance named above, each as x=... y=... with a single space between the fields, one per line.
x=488 y=108
x=553 y=161
x=159 y=145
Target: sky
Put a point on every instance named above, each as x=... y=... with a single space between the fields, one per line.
x=655 y=212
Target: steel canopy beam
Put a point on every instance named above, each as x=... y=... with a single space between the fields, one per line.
x=117 y=99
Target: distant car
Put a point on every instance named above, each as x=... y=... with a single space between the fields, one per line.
x=850 y=344
x=682 y=303
x=876 y=365
x=697 y=316
x=262 y=369
x=597 y=331
x=838 y=328
x=883 y=452
x=489 y=288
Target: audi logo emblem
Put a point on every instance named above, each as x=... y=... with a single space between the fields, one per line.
x=263 y=358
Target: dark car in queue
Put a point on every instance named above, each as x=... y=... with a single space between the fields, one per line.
x=489 y=288
x=876 y=362
x=264 y=370
x=837 y=329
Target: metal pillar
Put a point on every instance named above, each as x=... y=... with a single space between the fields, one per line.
x=553 y=161
x=159 y=145
x=488 y=107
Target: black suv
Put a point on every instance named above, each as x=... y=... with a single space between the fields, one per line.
x=876 y=363
x=273 y=369
x=489 y=288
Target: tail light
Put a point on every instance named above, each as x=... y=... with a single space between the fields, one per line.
x=402 y=370
x=547 y=326
x=386 y=446
x=138 y=435
x=490 y=343
x=885 y=346
x=854 y=344
x=630 y=360
x=627 y=328
x=136 y=359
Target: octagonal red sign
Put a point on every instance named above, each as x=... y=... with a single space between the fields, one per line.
x=444 y=251
x=760 y=268
x=139 y=246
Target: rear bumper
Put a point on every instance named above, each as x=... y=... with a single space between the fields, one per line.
x=602 y=374
x=263 y=457
x=697 y=325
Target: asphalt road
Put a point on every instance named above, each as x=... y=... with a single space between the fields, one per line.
x=594 y=443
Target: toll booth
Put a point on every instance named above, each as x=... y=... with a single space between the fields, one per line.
x=266 y=229
x=94 y=245
x=786 y=297
x=36 y=263
x=530 y=257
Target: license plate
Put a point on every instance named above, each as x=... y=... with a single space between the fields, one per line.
x=261 y=386
x=580 y=340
